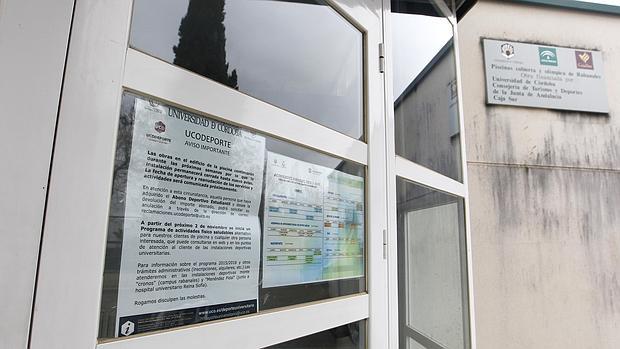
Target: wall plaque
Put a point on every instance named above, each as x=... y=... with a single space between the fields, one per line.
x=544 y=76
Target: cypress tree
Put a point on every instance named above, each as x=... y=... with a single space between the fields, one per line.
x=202 y=42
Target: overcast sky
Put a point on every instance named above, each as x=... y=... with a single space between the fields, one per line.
x=416 y=40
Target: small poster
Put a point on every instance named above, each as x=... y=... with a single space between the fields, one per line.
x=313 y=223
x=191 y=233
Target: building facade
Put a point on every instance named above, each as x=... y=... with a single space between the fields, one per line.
x=302 y=174
x=543 y=192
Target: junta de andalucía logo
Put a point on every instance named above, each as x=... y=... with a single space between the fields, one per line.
x=547 y=56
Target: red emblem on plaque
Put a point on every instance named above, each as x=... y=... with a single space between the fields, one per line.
x=584 y=60
x=160 y=127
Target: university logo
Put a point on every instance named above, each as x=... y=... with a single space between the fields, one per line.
x=158 y=137
x=547 y=56
x=508 y=50
x=160 y=127
x=584 y=60
x=153 y=106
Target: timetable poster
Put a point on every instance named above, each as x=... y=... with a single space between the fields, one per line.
x=313 y=223
x=191 y=233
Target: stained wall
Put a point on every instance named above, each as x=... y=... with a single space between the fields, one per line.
x=544 y=192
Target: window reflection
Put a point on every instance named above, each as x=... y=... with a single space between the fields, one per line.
x=271 y=50
x=432 y=298
x=425 y=93
x=351 y=336
x=202 y=42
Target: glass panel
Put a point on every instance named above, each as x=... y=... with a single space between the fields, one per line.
x=412 y=344
x=209 y=220
x=432 y=270
x=425 y=94
x=301 y=56
x=351 y=336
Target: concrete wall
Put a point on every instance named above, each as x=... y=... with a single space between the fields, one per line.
x=544 y=193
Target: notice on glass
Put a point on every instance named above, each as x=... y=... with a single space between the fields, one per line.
x=544 y=76
x=313 y=223
x=191 y=233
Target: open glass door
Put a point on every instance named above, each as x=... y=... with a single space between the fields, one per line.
x=218 y=178
x=430 y=292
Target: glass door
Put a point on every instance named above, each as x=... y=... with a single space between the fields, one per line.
x=219 y=178
x=430 y=298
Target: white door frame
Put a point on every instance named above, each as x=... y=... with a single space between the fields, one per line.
x=29 y=96
x=99 y=67
x=408 y=170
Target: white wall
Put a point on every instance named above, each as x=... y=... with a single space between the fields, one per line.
x=33 y=43
x=544 y=193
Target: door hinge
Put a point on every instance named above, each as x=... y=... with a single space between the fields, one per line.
x=381 y=58
x=385 y=244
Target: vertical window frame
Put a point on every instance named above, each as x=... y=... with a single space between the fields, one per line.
x=420 y=175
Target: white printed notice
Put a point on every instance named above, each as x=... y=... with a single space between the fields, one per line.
x=191 y=233
x=313 y=223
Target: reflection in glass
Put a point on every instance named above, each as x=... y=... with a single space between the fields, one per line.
x=345 y=282
x=425 y=91
x=351 y=336
x=274 y=297
x=202 y=42
x=272 y=50
x=432 y=270
x=412 y=344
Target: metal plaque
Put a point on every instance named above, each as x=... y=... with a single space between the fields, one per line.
x=544 y=76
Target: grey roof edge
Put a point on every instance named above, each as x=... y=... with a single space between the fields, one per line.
x=463 y=7
x=576 y=5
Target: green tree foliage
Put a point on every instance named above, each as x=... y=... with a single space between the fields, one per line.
x=202 y=42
